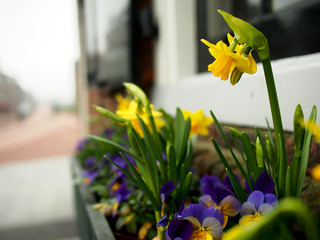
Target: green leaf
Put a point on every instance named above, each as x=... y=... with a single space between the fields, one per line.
x=287 y=192
x=251 y=157
x=241 y=194
x=305 y=152
x=152 y=196
x=182 y=132
x=171 y=158
x=236 y=185
x=245 y=33
x=105 y=112
x=119 y=147
x=228 y=145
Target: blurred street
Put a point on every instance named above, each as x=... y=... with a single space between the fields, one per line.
x=36 y=199
x=43 y=133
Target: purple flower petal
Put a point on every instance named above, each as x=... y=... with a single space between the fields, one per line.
x=248 y=208
x=195 y=210
x=227 y=182
x=230 y=205
x=163 y=222
x=179 y=229
x=213 y=226
x=207 y=201
x=122 y=193
x=221 y=193
x=270 y=198
x=90 y=161
x=215 y=213
x=257 y=198
x=264 y=183
x=167 y=188
x=264 y=208
x=206 y=179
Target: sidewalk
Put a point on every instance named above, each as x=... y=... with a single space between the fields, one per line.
x=36 y=200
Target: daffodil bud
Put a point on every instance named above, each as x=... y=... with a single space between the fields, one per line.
x=105 y=112
x=245 y=33
x=259 y=153
x=272 y=156
x=235 y=76
x=138 y=94
x=298 y=131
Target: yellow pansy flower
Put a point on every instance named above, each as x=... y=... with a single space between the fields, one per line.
x=131 y=112
x=229 y=58
x=199 y=122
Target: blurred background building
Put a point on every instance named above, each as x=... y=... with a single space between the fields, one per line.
x=156 y=44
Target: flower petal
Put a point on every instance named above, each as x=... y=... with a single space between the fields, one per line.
x=195 y=210
x=270 y=198
x=179 y=229
x=216 y=213
x=213 y=226
x=230 y=206
x=257 y=198
x=207 y=201
x=264 y=183
x=249 y=219
x=264 y=208
x=248 y=208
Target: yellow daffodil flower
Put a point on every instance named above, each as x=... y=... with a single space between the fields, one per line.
x=226 y=60
x=315 y=173
x=311 y=126
x=123 y=102
x=199 y=122
x=315 y=128
x=131 y=114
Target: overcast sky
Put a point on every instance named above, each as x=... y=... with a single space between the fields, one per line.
x=39 y=46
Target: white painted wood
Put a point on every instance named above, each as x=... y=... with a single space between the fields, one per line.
x=297 y=81
x=175 y=50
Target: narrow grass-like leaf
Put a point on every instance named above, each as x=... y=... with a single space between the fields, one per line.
x=182 y=131
x=143 y=186
x=240 y=150
x=119 y=147
x=282 y=171
x=251 y=156
x=241 y=194
x=287 y=191
x=151 y=150
x=228 y=144
x=270 y=134
x=265 y=154
x=171 y=158
x=236 y=185
x=305 y=152
x=184 y=189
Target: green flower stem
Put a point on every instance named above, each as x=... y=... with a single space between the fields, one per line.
x=160 y=232
x=277 y=124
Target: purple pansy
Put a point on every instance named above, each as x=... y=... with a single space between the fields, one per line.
x=256 y=206
x=264 y=184
x=121 y=194
x=165 y=190
x=222 y=198
x=90 y=175
x=207 y=222
x=81 y=143
x=179 y=229
x=212 y=180
x=90 y=161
